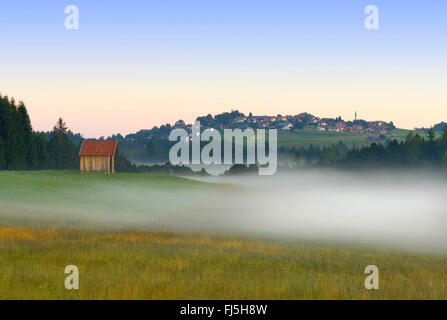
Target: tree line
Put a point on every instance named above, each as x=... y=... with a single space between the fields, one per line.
x=23 y=149
x=417 y=150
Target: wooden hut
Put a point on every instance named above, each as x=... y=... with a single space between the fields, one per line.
x=98 y=156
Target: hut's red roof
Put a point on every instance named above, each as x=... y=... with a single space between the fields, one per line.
x=98 y=148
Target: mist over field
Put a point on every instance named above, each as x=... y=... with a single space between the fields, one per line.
x=397 y=209
x=403 y=210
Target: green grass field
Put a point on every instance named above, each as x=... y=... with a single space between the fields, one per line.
x=306 y=137
x=147 y=265
x=69 y=199
x=39 y=237
x=310 y=136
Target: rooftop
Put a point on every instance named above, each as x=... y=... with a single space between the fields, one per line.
x=98 y=148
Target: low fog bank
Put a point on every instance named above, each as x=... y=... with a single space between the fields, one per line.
x=402 y=210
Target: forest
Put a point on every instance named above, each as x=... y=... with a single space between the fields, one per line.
x=23 y=149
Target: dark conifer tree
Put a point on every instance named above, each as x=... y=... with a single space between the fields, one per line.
x=12 y=140
x=2 y=155
x=43 y=158
x=3 y=111
x=29 y=150
x=21 y=149
x=63 y=153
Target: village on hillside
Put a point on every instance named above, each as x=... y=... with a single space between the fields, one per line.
x=289 y=123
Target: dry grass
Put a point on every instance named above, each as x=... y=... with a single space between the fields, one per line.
x=148 y=265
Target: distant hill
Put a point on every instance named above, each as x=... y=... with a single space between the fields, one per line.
x=294 y=132
x=440 y=127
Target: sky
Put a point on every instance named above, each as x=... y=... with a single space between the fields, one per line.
x=137 y=64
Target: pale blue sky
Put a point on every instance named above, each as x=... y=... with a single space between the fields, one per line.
x=144 y=63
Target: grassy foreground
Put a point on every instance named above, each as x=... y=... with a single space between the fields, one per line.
x=146 y=265
x=49 y=220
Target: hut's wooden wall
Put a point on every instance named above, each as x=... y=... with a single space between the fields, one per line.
x=97 y=164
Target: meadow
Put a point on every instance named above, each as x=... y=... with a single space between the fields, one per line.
x=68 y=199
x=148 y=265
x=49 y=220
x=305 y=137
